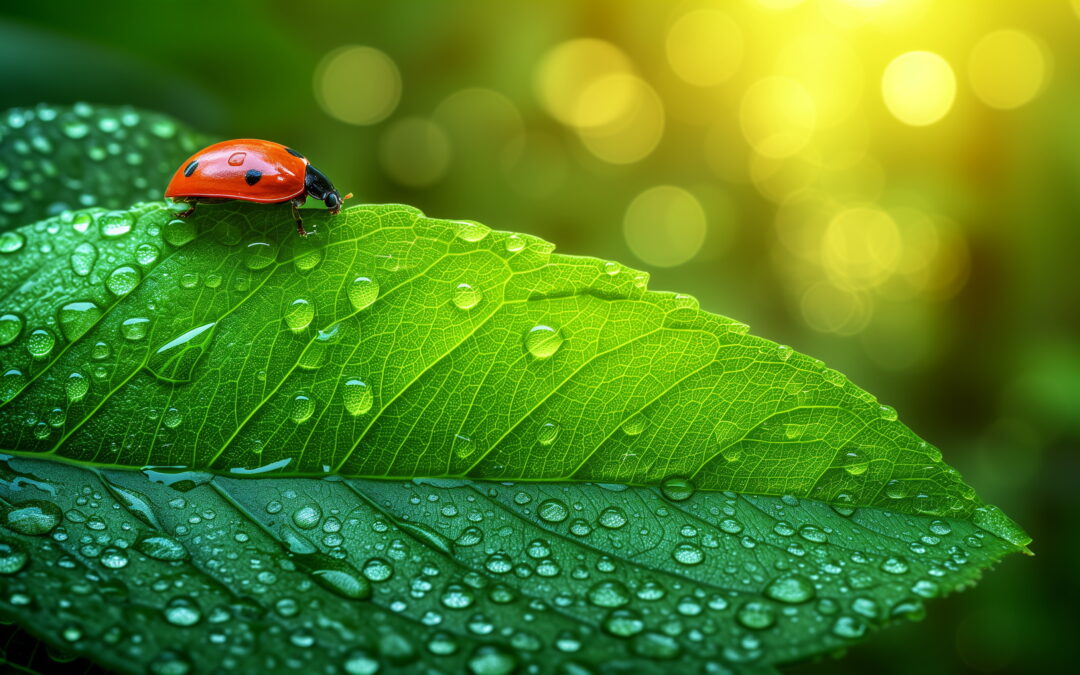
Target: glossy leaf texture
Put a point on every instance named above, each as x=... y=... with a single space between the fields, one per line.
x=392 y=345
x=188 y=572
x=58 y=158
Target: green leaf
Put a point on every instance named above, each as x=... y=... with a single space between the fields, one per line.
x=153 y=572
x=58 y=158
x=392 y=345
x=222 y=437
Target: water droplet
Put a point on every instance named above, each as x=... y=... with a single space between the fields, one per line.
x=894 y=565
x=301 y=408
x=182 y=612
x=887 y=413
x=76 y=318
x=612 y=518
x=116 y=223
x=359 y=662
x=553 y=511
x=677 y=489
x=470 y=231
x=813 y=533
x=114 y=558
x=849 y=627
x=623 y=623
x=11 y=326
x=457 y=596
x=463 y=446
x=543 y=341
x=514 y=243
x=688 y=554
x=307 y=517
x=299 y=314
x=634 y=425
x=784 y=352
x=549 y=431
x=11 y=383
x=854 y=462
x=756 y=615
x=82 y=259
x=135 y=328
x=179 y=232
x=466 y=297
x=895 y=489
x=123 y=280
x=172 y=418
x=33 y=517
x=11 y=241
x=492 y=660
x=377 y=569
x=146 y=253
x=161 y=547
x=40 y=343
x=357 y=396
x=362 y=292
x=12 y=558
x=470 y=536
x=609 y=593
x=791 y=588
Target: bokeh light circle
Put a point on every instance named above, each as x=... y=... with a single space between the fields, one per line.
x=861 y=248
x=1007 y=69
x=705 y=47
x=357 y=85
x=919 y=88
x=636 y=133
x=414 y=152
x=777 y=116
x=569 y=82
x=665 y=226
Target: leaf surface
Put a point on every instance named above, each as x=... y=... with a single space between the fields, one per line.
x=151 y=572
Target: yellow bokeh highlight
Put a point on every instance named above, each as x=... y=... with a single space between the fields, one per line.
x=634 y=134
x=414 y=152
x=777 y=116
x=665 y=226
x=779 y=4
x=829 y=309
x=1007 y=69
x=357 y=84
x=919 y=88
x=826 y=65
x=705 y=47
x=572 y=83
x=861 y=248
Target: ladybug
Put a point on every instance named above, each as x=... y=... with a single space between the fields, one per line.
x=251 y=170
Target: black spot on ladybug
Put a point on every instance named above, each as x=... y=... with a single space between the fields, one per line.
x=294 y=153
x=190 y=169
x=252 y=176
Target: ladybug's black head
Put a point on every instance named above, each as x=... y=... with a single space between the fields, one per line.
x=319 y=186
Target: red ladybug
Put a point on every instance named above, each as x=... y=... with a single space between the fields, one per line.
x=251 y=170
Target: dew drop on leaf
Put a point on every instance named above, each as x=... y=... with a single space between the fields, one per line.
x=76 y=318
x=357 y=396
x=543 y=341
x=677 y=489
x=82 y=259
x=553 y=511
x=40 y=343
x=135 y=328
x=298 y=315
x=363 y=292
x=466 y=297
x=301 y=408
x=548 y=433
x=11 y=326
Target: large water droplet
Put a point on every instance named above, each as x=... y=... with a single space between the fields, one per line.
x=609 y=593
x=363 y=292
x=466 y=297
x=135 y=328
x=182 y=612
x=548 y=433
x=688 y=554
x=11 y=326
x=792 y=589
x=83 y=258
x=11 y=241
x=677 y=489
x=299 y=314
x=75 y=318
x=543 y=341
x=116 y=223
x=76 y=387
x=301 y=408
x=357 y=396
x=40 y=343
x=33 y=517
x=553 y=511
x=12 y=558
x=123 y=280
x=612 y=518
x=756 y=615
x=175 y=360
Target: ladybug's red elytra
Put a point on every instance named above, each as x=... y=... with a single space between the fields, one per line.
x=251 y=170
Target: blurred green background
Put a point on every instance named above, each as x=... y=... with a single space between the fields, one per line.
x=890 y=185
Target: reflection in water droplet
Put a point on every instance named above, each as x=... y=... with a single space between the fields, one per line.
x=40 y=343
x=299 y=314
x=135 y=328
x=466 y=297
x=549 y=431
x=122 y=280
x=677 y=489
x=553 y=510
x=362 y=292
x=301 y=408
x=543 y=341
x=116 y=223
x=357 y=396
x=888 y=413
x=82 y=259
x=75 y=318
x=792 y=589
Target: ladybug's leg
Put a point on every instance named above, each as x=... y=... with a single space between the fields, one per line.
x=299 y=221
x=190 y=210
